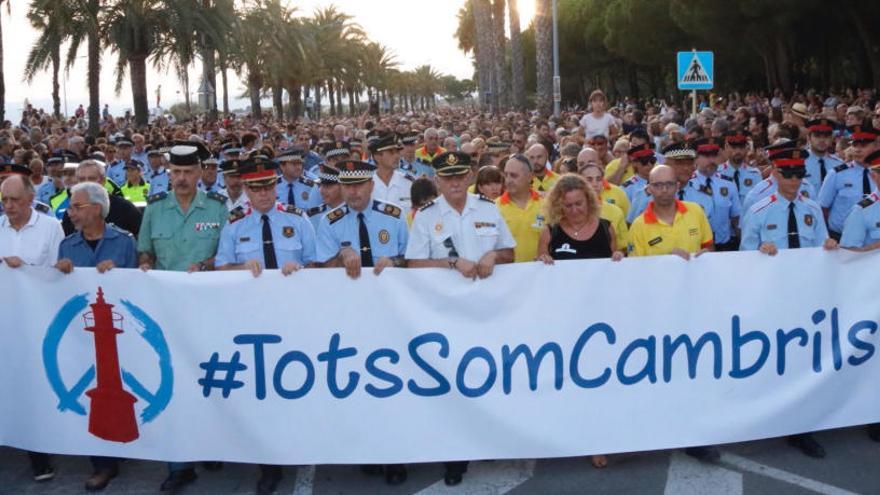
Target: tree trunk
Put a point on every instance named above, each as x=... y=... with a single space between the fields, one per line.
x=332 y=95
x=56 y=88
x=517 y=69
x=94 y=70
x=544 y=55
x=783 y=64
x=317 y=101
x=225 y=81
x=632 y=75
x=137 y=69
x=339 y=91
x=184 y=76
x=351 y=105
x=867 y=42
x=500 y=50
x=296 y=102
x=278 y=100
x=255 y=83
x=484 y=53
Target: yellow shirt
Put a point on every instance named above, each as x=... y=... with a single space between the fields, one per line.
x=525 y=224
x=617 y=220
x=612 y=167
x=423 y=155
x=689 y=231
x=615 y=195
x=543 y=185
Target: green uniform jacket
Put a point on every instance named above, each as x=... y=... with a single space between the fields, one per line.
x=179 y=239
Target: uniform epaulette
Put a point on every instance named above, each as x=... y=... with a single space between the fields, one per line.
x=236 y=214
x=426 y=206
x=629 y=182
x=726 y=177
x=217 y=197
x=804 y=194
x=705 y=190
x=157 y=197
x=316 y=209
x=42 y=207
x=307 y=181
x=387 y=208
x=841 y=167
x=484 y=198
x=406 y=167
x=760 y=205
x=292 y=209
x=119 y=229
x=868 y=201
x=336 y=214
x=408 y=177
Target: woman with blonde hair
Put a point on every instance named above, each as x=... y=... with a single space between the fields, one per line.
x=575 y=229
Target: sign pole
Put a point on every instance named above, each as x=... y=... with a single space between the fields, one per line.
x=694 y=103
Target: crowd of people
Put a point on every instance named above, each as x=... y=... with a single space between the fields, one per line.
x=453 y=188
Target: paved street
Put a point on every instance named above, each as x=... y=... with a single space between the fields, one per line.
x=765 y=467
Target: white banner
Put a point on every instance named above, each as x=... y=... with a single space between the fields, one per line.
x=579 y=358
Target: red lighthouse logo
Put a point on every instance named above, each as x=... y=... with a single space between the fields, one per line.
x=111 y=415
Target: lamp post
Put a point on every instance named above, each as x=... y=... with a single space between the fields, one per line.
x=557 y=82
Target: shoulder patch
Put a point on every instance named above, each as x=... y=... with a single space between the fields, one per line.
x=157 y=197
x=217 y=197
x=866 y=202
x=726 y=177
x=336 y=214
x=42 y=207
x=484 y=198
x=387 y=208
x=236 y=214
x=841 y=167
x=316 y=209
x=427 y=205
x=306 y=181
x=292 y=209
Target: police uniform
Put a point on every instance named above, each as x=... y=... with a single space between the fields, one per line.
x=725 y=201
x=218 y=186
x=116 y=171
x=862 y=225
x=301 y=192
x=439 y=231
x=326 y=175
x=47 y=189
x=819 y=166
x=786 y=224
x=290 y=236
x=632 y=185
x=691 y=192
x=416 y=168
x=385 y=233
x=117 y=245
x=846 y=184
x=229 y=168
x=397 y=190
x=159 y=180
x=745 y=177
x=178 y=239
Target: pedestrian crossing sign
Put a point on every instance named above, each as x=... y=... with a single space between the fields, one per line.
x=696 y=70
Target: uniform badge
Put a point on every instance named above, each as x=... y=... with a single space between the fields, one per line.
x=723 y=191
x=244 y=239
x=747 y=182
x=305 y=195
x=655 y=241
x=438 y=227
x=610 y=201
x=805 y=194
x=384 y=236
x=287 y=231
x=771 y=226
x=808 y=219
x=539 y=221
x=693 y=231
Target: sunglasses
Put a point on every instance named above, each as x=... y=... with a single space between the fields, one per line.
x=793 y=172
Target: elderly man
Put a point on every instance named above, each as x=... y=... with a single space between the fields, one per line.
x=27 y=238
x=123 y=213
x=431 y=148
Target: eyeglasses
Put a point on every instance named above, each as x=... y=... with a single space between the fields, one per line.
x=663 y=185
x=796 y=172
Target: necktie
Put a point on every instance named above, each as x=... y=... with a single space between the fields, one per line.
x=866 y=184
x=794 y=239
x=736 y=178
x=681 y=194
x=364 y=236
x=291 y=200
x=268 y=245
x=822 y=169
x=709 y=183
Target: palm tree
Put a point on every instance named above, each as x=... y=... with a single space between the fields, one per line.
x=376 y=65
x=544 y=55
x=499 y=49
x=485 y=52
x=335 y=39
x=48 y=18
x=2 y=82
x=517 y=68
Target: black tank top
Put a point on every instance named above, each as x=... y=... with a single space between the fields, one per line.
x=564 y=247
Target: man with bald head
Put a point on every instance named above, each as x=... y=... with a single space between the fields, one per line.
x=522 y=208
x=544 y=178
x=669 y=225
x=610 y=193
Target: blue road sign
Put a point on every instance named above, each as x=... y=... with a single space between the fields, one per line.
x=696 y=70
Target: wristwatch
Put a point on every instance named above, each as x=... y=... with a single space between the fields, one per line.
x=452 y=262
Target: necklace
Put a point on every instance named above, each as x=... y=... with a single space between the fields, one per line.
x=577 y=230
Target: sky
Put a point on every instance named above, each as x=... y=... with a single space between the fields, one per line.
x=417 y=31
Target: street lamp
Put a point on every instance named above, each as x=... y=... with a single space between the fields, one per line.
x=557 y=82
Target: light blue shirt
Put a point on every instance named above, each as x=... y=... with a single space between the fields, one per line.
x=117 y=245
x=386 y=227
x=116 y=171
x=768 y=222
x=862 y=225
x=691 y=192
x=815 y=164
x=293 y=238
x=159 y=180
x=417 y=168
x=725 y=205
x=633 y=185
x=767 y=187
x=841 y=191
x=46 y=191
x=745 y=177
x=306 y=194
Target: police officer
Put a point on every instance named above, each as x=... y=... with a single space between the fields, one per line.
x=331 y=194
x=642 y=158
x=123 y=213
x=180 y=232
x=820 y=159
x=408 y=161
x=462 y=232
x=724 y=219
x=846 y=184
x=861 y=230
x=267 y=234
x=768 y=186
x=390 y=185
x=116 y=169
x=211 y=181
x=292 y=188
x=736 y=169
x=362 y=232
x=236 y=199
x=135 y=188
x=49 y=188
x=156 y=174
x=681 y=157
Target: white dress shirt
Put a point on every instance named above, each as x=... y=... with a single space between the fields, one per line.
x=36 y=243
